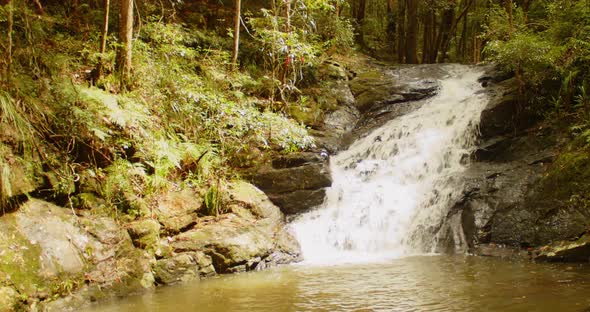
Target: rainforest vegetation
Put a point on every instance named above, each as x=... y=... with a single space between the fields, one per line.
x=156 y=94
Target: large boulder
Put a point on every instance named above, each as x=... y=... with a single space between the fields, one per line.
x=295 y=182
x=178 y=210
x=183 y=267
x=234 y=244
x=240 y=241
x=46 y=250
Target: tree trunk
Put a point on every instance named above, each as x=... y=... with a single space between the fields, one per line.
x=401 y=30
x=463 y=42
x=444 y=36
x=508 y=5
x=126 y=37
x=360 y=17
x=453 y=30
x=427 y=36
x=237 y=14
x=412 y=33
x=10 y=26
x=103 y=42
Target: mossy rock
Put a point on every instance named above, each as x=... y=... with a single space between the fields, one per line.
x=569 y=176
x=183 y=267
x=178 y=210
x=9 y=299
x=145 y=234
x=22 y=176
x=566 y=251
x=19 y=259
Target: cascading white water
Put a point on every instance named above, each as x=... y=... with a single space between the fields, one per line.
x=393 y=187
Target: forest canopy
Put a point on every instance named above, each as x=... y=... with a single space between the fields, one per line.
x=164 y=92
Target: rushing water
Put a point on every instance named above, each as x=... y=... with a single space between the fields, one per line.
x=424 y=283
x=392 y=188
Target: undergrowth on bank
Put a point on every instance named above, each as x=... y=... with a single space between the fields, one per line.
x=188 y=119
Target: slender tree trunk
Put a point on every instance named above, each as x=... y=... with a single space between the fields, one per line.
x=412 y=33
x=446 y=44
x=508 y=4
x=391 y=25
x=427 y=37
x=10 y=26
x=126 y=36
x=360 y=17
x=237 y=14
x=445 y=34
x=103 y=42
x=463 y=42
x=401 y=30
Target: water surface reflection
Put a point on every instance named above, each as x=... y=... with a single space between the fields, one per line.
x=425 y=283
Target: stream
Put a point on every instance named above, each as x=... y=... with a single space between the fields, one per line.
x=372 y=245
x=421 y=283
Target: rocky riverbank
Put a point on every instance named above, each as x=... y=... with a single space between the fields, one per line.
x=49 y=251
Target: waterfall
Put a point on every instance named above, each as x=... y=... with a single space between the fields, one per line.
x=393 y=187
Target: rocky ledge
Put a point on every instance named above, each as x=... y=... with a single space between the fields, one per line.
x=53 y=258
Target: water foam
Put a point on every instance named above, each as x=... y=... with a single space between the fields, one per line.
x=393 y=187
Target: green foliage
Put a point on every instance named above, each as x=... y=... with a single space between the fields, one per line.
x=552 y=43
x=188 y=120
x=567 y=180
x=291 y=44
x=526 y=53
x=212 y=201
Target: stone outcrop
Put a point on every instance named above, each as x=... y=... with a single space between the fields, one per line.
x=295 y=182
x=242 y=241
x=570 y=251
x=364 y=100
x=46 y=250
x=508 y=200
x=49 y=252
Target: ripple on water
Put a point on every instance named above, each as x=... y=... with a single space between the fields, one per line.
x=433 y=283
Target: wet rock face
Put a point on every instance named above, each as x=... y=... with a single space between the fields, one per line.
x=296 y=182
x=505 y=189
